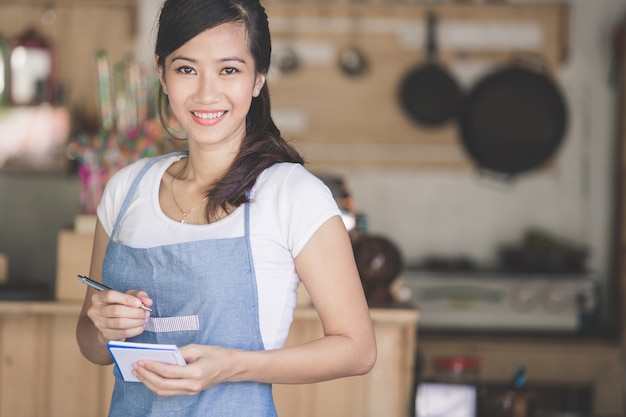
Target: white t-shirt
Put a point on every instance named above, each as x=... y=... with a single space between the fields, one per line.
x=288 y=204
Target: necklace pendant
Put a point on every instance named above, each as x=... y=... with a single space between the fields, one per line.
x=184 y=219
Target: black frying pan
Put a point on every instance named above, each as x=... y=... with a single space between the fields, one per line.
x=513 y=119
x=429 y=94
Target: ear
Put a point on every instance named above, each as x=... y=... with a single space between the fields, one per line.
x=160 y=73
x=258 y=84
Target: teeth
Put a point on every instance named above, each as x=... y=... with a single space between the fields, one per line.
x=207 y=116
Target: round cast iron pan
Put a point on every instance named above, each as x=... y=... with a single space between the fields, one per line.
x=513 y=120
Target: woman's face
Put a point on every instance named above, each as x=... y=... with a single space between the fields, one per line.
x=210 y=82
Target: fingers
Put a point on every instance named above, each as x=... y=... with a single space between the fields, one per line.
x=117 y=315
x=167 y=380
x=142 y=296
x=201 y=372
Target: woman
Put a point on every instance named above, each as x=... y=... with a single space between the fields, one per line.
x=215 y=241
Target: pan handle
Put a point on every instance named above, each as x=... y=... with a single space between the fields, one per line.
x=431 y=36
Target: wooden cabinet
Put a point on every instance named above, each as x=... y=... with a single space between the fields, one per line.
x=385 y=391
x=549 y=362
x=43 y=374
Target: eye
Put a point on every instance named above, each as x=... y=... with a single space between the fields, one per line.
x=230 y=70
x=186 y=70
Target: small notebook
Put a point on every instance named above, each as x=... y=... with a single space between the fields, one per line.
x=126 y=353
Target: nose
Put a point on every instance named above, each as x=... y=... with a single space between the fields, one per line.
x=208 y=88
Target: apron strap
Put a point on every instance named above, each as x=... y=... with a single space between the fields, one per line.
x=133 y=187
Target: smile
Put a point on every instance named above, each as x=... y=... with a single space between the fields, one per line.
x=208 y=116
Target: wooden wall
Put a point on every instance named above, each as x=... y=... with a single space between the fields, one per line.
x=342 y=121
x=337 y=121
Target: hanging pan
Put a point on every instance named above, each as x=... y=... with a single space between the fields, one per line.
x=429 y=94
x=514 y=118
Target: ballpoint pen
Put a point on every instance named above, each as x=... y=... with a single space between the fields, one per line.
x=101 y=287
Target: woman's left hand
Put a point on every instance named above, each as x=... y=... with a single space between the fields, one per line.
x=206 y=366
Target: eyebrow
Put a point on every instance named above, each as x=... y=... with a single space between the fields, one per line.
x=225 y=59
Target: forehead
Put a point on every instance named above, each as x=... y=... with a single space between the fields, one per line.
x=225 y=36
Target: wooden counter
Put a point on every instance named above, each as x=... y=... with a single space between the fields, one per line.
x=596 y=364
x=385 y=391
x=43 y=374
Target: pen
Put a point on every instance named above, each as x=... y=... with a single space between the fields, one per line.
x=101 y=287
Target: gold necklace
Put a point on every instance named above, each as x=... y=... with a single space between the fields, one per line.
x=185 y=213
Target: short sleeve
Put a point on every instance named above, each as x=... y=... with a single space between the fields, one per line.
x=305 y=204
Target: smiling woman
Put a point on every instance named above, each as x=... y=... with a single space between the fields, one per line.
x=223 y=233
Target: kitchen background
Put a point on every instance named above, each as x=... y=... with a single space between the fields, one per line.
x=434 y=204
x=414 y=186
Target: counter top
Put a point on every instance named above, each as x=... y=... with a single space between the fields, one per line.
x=25 y=308
x=16 y=308
x=379 y=315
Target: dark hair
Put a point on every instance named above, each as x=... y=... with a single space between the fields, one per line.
x=263 y=145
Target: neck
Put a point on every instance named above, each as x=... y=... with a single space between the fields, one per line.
x=206 y=166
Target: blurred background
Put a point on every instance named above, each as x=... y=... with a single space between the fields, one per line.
x=474 y=146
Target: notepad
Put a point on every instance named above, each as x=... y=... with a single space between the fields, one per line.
x=126 y=353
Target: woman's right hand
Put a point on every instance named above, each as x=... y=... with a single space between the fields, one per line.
x=118 y=316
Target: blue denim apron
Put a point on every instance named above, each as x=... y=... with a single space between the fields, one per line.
x=204 y=292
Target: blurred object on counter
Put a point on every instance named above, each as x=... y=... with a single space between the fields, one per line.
x=379 y=263
x=453 y=389
x=541 y=252
x=100 y=155
x=338 y=185
x=535 y=400
x=457 y=369
x=507 y=401
x=378 y=259
x=129 y=128
x=105 y=90
x=5 y=72
x=32 y=69
x=504 y=403
x=33 y=135
x=4 y=268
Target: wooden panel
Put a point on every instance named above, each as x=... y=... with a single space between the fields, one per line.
x=391 y=379
x=73 y=257
x=42 y=373
x=106 y=383
x=342 y=397
x=292 y=399
x=337 y=121
x=385 y=391
x=71 y=376
x=21 y=377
